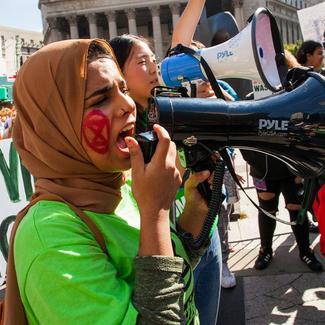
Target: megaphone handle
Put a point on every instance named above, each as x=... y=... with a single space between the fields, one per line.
x=205 y=190
x=148 y=142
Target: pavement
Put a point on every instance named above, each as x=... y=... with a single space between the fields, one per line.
x=287 y=292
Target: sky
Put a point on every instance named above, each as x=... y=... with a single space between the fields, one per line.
x=22 y=14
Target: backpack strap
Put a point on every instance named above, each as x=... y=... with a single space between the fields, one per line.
x=12 y=310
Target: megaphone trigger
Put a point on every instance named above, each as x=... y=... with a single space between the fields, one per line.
x=198 y=157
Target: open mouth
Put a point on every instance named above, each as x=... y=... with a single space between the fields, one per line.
x=126 y=132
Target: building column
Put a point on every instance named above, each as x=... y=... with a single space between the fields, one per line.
x=291 y=38
x=3 y=47
x=278 y=23
x=18 y=52
x=157 y=36
x=72 y=20
x=132 y=21
x=284 y=31
x=239 y=13
x=92 y=21
x=111 y=19
x=298 y=31
x=55 y=34
x=295 y=36
x=175 y=8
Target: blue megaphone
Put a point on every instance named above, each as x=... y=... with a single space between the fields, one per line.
x=256 y=53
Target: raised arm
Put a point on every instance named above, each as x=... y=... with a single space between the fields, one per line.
x=186 y=25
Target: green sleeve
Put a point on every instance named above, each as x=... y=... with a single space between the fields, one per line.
x=65 y=278
x=80 y=293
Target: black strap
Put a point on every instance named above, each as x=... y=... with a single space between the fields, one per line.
x=178 y=49
x=214 y=83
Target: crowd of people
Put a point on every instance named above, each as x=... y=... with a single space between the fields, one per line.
x=7 y=118
x=104 y=238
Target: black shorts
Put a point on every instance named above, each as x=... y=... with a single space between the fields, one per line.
x=286 y=186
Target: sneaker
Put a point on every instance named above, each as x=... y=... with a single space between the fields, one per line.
x=313 y=228
x=228 y=279
x=310 y=260
x=263 y=260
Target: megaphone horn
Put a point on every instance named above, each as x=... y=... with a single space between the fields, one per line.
x=289 y=125
x=255 y=53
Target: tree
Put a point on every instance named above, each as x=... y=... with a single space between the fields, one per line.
x=293 y=47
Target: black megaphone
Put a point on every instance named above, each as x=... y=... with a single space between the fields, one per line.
x=289 y=125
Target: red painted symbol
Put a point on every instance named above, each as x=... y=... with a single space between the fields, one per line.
x=96 y=131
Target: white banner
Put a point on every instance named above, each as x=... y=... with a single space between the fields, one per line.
x=16 y=186
x=259 y=89
x=312 y=22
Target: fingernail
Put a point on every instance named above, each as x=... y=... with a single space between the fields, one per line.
x=128 y=142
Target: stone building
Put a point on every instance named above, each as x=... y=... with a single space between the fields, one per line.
x=285 y=13
x=16 y=46
x=152 y=19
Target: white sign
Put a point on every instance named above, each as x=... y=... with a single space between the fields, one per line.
x=16 y=186
x=11 y=56
x=312 y=22
x=259 y=89
x=3 y=67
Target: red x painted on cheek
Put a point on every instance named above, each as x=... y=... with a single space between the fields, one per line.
x=95 y=129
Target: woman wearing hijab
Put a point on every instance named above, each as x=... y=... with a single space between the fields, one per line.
x=74 y=131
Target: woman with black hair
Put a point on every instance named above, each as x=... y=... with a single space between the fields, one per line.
x=311 y=54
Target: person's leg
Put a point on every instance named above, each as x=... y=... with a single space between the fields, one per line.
x=301 y=231
x=268 y=201
x=223 y=230
x=227 y=217
x=207 y=282
x=266 y=229
x=228 y=279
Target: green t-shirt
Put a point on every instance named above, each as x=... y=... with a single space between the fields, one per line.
x=63 y=275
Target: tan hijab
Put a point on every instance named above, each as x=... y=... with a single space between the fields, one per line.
x=49 y=97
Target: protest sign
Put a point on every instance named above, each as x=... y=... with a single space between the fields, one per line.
x=260 y=90
x=16 y=187
x=312 y=22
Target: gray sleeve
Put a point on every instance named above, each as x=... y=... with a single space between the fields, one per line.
x=193 y=253
x=158 y=290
